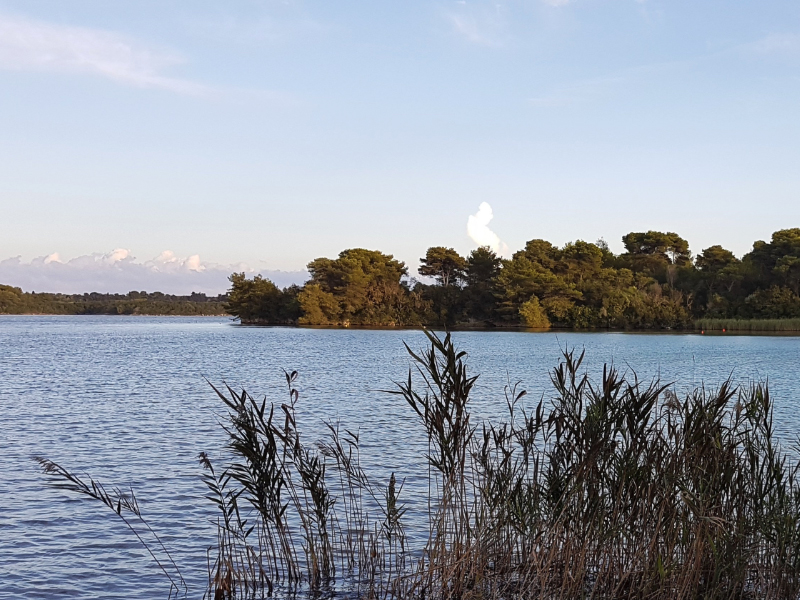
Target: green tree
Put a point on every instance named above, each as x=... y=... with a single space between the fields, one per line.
x=533 y=315
x=657 y=254
x=445 y=264
x=774 y=302
x=718 y=274
x=522 y=278
x=11 y=300
x=318 y=307
x=776 y=263
x=367 y=287
x=579 y=261
x=483 y=266
x=446 y=297
x=258 y=300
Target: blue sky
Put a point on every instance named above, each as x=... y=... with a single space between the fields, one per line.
x=269 y=133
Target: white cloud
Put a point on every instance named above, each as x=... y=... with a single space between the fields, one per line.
x=557 y=2
x=479 y=232
x=27 y=45
x=167 y=262
x=118 y=271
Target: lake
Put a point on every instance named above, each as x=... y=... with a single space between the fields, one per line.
x=125 y=399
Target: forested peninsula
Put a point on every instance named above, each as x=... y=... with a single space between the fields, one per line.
x=655 y=284
x=14 y=301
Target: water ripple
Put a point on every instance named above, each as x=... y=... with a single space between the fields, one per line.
x=124 y=399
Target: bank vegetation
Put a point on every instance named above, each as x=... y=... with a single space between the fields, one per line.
x=14 y=301
x=657 y=283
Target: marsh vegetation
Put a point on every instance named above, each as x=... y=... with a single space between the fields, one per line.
x=609 y=488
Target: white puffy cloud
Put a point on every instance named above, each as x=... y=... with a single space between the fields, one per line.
x=118 y=271
x=28 y=45
x=479 y=232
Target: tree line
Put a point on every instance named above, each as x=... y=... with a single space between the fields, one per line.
x=14 y=301
x=655 y=283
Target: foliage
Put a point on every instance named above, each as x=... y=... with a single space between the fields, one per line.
x=445 y=264
x=14 y=301
x=360 y=287
x=483 y=266
x=258 y=300
x=654 y=284
x=533 y=315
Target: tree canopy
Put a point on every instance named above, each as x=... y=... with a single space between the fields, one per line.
x=655 y=283
x=14 y=301
x=360 y=287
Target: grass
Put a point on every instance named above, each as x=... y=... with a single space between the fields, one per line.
x=776 y=325
x=611 y=489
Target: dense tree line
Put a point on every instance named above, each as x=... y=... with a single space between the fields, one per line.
x=655 y=283
x=14 y=301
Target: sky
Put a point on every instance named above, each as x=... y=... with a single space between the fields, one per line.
x=151 y=143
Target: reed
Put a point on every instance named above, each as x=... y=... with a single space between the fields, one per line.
x=126 y=507
x=765 y=325
x=609 y=489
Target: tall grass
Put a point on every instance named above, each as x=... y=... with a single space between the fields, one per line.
x=775 y=325
x=610 y=489
x=126 y=507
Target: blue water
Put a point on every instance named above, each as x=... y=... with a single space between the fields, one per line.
x=125 y=400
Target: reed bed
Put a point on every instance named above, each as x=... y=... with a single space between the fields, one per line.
x=614 y=489
x=766 y=325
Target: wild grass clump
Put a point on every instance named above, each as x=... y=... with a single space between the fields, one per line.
x=766 y=325
x=609 y=490
x=313 y=517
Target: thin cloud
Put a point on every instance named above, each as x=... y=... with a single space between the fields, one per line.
x=118 y=271
x=478 y=25
x=27 y=45
x=479 y=232
x=776 y=43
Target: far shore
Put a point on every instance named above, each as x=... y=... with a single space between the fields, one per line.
x=701 y=328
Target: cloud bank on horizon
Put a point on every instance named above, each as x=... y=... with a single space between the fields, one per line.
x=479 y=232
x=119 y=272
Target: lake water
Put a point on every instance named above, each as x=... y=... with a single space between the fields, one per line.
x=124 y=399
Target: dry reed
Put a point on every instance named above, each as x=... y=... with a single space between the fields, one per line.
x=615 y=489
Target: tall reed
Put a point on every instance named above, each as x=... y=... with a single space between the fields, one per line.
x=126 y=507
x=609 y=489
x=766 y=325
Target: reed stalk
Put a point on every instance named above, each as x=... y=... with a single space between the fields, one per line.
x=755 y=325
x=609 y=489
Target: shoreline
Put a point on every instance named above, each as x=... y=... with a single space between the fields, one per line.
x=697 y=330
